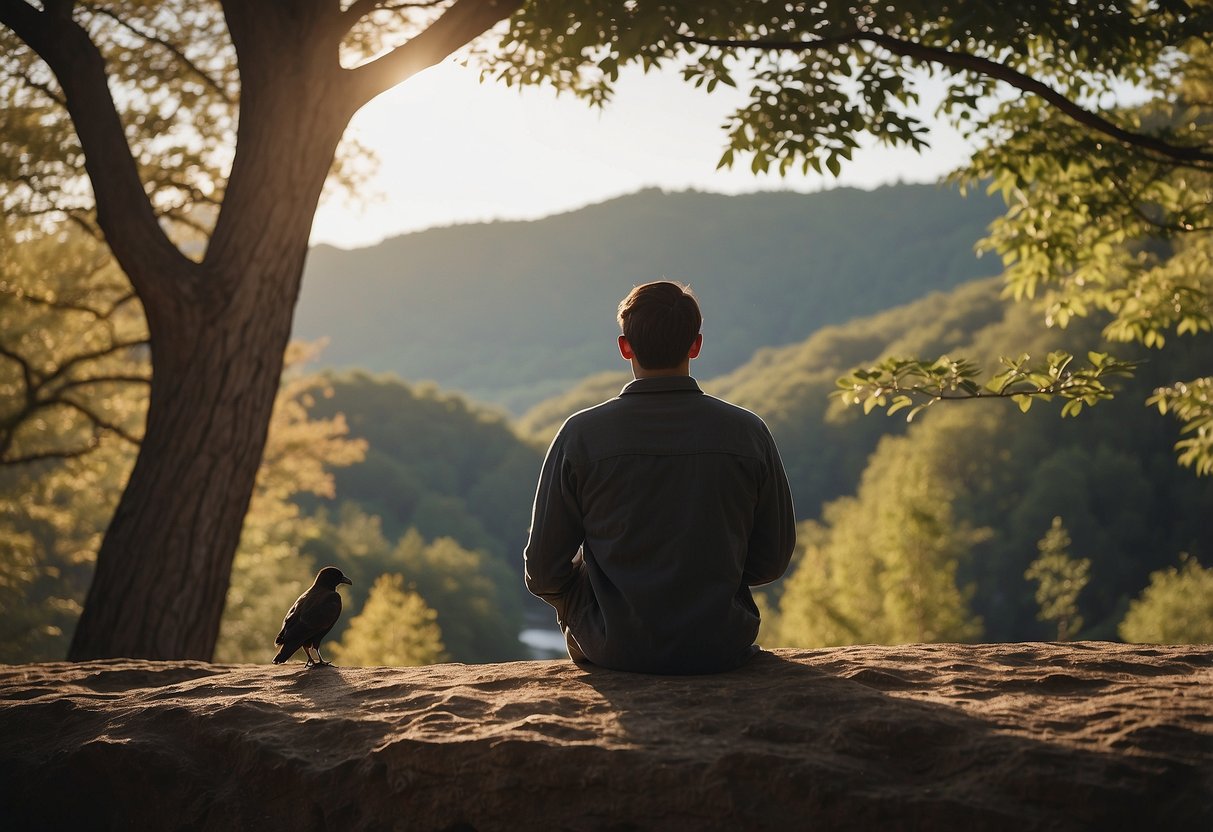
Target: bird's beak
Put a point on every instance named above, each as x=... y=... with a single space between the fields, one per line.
x=345 y=581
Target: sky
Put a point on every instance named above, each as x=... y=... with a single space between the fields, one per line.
x=453 y=150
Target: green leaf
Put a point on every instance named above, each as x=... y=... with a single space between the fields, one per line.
x=899 y=402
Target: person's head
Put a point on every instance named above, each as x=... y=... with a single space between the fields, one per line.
x=660 y=323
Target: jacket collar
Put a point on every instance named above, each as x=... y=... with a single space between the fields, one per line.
x=662 y=384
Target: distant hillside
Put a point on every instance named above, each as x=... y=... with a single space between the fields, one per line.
x=512 y=312
x=434 y=462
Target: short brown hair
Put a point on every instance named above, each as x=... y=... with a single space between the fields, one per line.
x=660 y=321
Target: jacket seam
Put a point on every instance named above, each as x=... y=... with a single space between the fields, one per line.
x=666 y=452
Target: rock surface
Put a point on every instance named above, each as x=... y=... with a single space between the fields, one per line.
x=1011 y=736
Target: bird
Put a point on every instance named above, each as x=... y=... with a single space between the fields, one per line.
x=311 y=617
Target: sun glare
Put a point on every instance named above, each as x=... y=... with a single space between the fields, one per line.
x=454 y=150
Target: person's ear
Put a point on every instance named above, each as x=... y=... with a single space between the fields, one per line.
x=625 y=349
x=696 y=345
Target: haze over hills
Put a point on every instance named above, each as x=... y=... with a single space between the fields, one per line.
x=512 y=312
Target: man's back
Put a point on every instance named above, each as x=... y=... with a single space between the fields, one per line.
x=680 y=503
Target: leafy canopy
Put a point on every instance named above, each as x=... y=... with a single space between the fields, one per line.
x=883 y=568
x=73 y=357
x=1059 y=578
x=1176 y=608
x=819 y=76
x=394 y=628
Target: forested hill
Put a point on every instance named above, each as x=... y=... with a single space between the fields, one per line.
x=511 y=312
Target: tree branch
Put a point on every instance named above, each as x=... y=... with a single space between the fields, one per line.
x=99 y=426
x=85 y=222
x=25 y=296
x=40 y=395
x=46 y=89
x=27 y=372
x=361 y=8
x=95 y=354
x=984 y=66
x=123 y=210
x=462 y=22
x=776 y=45
x=42 y=456
x=103 y=424
x=171 y=48
x=63 y=305
x=180 y=214
x=115 y=379
x=1134 y=205
x=358 y=10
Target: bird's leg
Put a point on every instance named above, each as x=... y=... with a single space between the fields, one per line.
x=307 y=651
x=320 y=662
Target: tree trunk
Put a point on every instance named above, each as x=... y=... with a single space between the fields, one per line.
x=217 y=350
x=218 y=328
x=163 y=568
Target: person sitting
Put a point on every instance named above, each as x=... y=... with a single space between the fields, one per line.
x=657 y=510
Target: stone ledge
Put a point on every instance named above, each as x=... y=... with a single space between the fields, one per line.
x=1007 y=736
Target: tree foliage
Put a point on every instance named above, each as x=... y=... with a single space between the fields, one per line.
x=436 y=462
x=52 y=516
x=884 y=566
x=178 y=88
x=478 y=610
x=818 y=76
x=1060 y=579
x=394 y=628
x=1176 y=608
x=54 y=512
x=1099 y=227
x=73 y=345
x=899 y=383
x=73 y=392
x=1192 y=404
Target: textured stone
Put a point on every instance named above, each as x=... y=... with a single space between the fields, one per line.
x=1009 y=736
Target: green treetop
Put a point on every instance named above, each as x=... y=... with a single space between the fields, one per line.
x=1060 y=579
x=1176 y=608
x=884 y=566
x=395 y=628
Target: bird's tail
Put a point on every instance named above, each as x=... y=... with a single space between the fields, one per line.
x=285 y=653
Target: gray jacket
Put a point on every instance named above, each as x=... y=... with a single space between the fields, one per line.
x=655 y=513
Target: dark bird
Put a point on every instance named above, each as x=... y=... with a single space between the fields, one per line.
x=311 y=617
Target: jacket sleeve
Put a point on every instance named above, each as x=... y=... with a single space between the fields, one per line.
x=773 y=538
x=556 y=529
